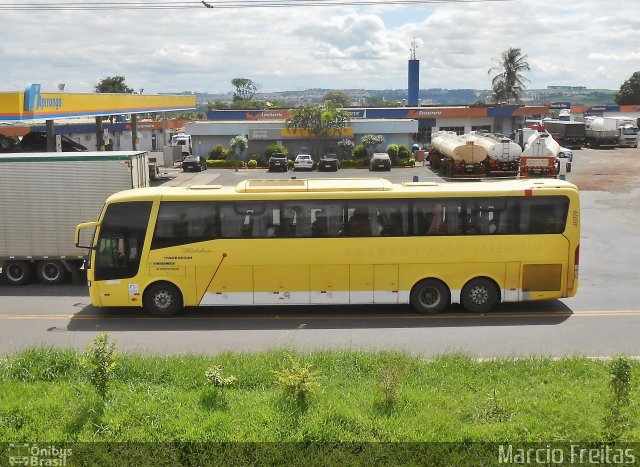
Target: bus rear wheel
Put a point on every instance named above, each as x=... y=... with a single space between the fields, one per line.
x=51 y=272
x=16 y=272
x=479 y=295
x=162 y=299
x=429 y=296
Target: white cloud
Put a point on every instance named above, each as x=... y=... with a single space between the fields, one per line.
x=582 y=43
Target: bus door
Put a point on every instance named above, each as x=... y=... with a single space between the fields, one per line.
x=118 y=253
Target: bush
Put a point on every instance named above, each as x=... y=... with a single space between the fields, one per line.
x=411 y=162
x=392 y=150
x=100 y=361
x=261 y=160
x=219 y=152
x=403 y=151
x=269 y=150
x=252 y=164
x=222 y=164
x=359 y=152
x=298 y=382
x=353 y=163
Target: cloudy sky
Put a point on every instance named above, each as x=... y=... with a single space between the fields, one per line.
x=591 y=43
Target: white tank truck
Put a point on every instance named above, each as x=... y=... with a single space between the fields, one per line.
x=539 y=157
x=454 y=156
x=503 y=154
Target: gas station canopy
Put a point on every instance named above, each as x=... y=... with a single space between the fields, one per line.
x=32 y=104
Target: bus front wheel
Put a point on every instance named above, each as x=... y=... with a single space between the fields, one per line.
x=162 y=299
x=429 y=296
x=479 y=295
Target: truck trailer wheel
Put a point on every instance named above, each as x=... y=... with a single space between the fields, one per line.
x=16 y=272
x=51 y=272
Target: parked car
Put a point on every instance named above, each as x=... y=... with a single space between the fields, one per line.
x=195 y=163
x=565 y=153
x=329 y=163
x=303 y=162
x=278 y=161
x=380 y=161
x=8 y=144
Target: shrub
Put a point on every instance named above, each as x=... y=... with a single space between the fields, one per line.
x=403 y=151
x=100 y=361
x=269 y=150
x=218 y=152
x=392 y=150
x=353 y=163
x=222 y=164
x=252 y=164
x=298 y=381
x=219 y=382
x=360 y=152
x=411 y=162
x=620 y=379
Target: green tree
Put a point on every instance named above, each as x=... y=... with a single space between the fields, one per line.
x=245 y=89
x=321 y=121
x=113 y=84
x=338 y=98
x=629 y=91
x=374 y=101
x=239 y=144
x=509 y=81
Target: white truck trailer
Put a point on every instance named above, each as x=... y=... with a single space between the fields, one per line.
x=611 y=131
x=43 y=196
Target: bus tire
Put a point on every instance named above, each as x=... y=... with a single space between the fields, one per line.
x=479 y=295
x=430 y=296
x=162 y=299
x=51 y=272
x=16 y=272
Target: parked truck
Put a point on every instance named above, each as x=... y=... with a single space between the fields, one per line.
x=457 y=157
x=184 y=141
x=611 y=131
x=539 y=157
x=45 y=195
x=567 y=133
x=503 y=154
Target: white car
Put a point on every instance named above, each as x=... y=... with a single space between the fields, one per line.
x=565 y=153
x=303 y=162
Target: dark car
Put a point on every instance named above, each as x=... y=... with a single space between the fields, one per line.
x=278 y=161
x=8 y=144
x=36 y=141
x=380 y=161
x=195 y=163
x=329 y=163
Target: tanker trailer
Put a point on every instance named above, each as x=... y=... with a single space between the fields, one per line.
x=503 y=154
x=539 y=157
x=458 y=157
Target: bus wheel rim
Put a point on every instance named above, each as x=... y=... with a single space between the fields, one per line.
x=479 y=295
x=430 y=297
x=163 y=299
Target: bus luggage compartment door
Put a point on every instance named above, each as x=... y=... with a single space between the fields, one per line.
x=329 y=283
x=385 y=283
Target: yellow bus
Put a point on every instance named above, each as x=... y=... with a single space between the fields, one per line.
x=336 y=241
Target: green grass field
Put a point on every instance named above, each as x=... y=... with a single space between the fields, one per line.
x=45 y=395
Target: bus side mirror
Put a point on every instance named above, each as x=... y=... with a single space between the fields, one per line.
x=80 y=227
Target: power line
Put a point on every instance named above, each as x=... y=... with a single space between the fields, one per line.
x=222 y=4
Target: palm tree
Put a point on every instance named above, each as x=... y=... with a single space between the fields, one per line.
x=508 y=84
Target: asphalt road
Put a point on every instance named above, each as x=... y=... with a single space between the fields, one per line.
x=602 y=320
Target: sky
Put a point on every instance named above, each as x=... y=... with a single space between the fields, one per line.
x=589 y=43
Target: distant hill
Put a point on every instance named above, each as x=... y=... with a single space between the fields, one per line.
x=576 y=95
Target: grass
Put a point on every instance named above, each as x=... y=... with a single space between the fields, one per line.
x=361 y=398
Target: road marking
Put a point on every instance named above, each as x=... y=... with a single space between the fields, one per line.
x=496 y=315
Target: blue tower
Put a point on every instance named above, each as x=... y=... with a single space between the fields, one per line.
x=414 y=77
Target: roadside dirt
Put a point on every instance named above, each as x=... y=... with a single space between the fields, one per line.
x=612 y=170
